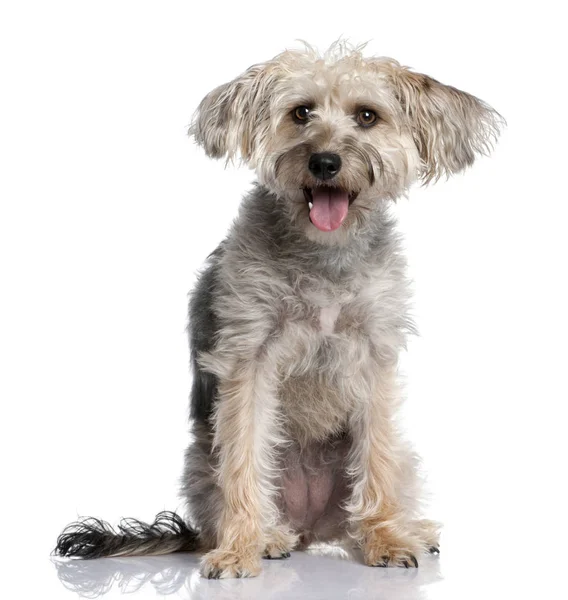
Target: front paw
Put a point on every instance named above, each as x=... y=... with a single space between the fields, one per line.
x=224 y=564
x=383 y=550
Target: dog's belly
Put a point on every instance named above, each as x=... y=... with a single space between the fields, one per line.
x=313 y=488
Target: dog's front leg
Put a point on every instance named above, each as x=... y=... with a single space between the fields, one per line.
x=378 y=517
x=246 y=436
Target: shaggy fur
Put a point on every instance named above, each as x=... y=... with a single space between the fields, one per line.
x=93 y=538
x=296 y=330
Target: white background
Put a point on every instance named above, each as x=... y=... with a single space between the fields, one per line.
x=108 y=210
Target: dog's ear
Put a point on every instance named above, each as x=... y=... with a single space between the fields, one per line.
x=450 y=127
x=230 y=120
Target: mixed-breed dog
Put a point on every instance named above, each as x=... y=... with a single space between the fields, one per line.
x=298 y=319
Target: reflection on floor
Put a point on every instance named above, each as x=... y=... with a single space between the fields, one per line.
x=320 y=573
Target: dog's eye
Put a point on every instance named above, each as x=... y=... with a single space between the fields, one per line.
x=366 y=117
x=301 y=114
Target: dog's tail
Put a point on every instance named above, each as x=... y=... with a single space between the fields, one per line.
x=93 y=538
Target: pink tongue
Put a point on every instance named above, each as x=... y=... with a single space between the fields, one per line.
x=329 y=208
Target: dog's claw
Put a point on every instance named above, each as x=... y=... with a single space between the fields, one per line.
x=405 y=563
x=282 y=555
x=413 y=558
x=434 y=550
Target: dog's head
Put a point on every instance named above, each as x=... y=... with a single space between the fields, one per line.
x=331 y=135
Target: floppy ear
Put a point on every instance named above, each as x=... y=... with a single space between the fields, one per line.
x=450 y=127
x=230 y=119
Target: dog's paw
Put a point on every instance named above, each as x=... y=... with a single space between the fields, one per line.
x=224 y=564
x=389 y=551
x=279 y=543
x=428 y=532
x=276 y=550
x=273 y=552
x=396 y=557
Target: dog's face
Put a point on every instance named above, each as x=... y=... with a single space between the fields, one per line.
x=331 y=135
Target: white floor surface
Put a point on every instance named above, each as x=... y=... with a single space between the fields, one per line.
x=484 y=572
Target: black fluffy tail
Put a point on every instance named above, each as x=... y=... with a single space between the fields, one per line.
x=93 y=538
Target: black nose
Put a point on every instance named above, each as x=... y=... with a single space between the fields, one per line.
x=324 y=165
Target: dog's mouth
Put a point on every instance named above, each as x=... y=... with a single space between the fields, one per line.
x=328 y=206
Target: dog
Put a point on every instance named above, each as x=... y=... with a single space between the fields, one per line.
x=297 y=322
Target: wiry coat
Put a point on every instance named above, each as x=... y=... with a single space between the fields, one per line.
x=328 y=324
x=295 y=329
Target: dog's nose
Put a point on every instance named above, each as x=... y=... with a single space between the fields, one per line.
x=324 y=165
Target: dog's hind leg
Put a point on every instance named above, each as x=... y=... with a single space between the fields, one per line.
x=279 y=542
x=199 y=489
x=429 y=534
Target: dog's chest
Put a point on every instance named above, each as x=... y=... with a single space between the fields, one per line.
x=329 y=338
x=327 y=360
x=328 y=317
x=323 y=307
